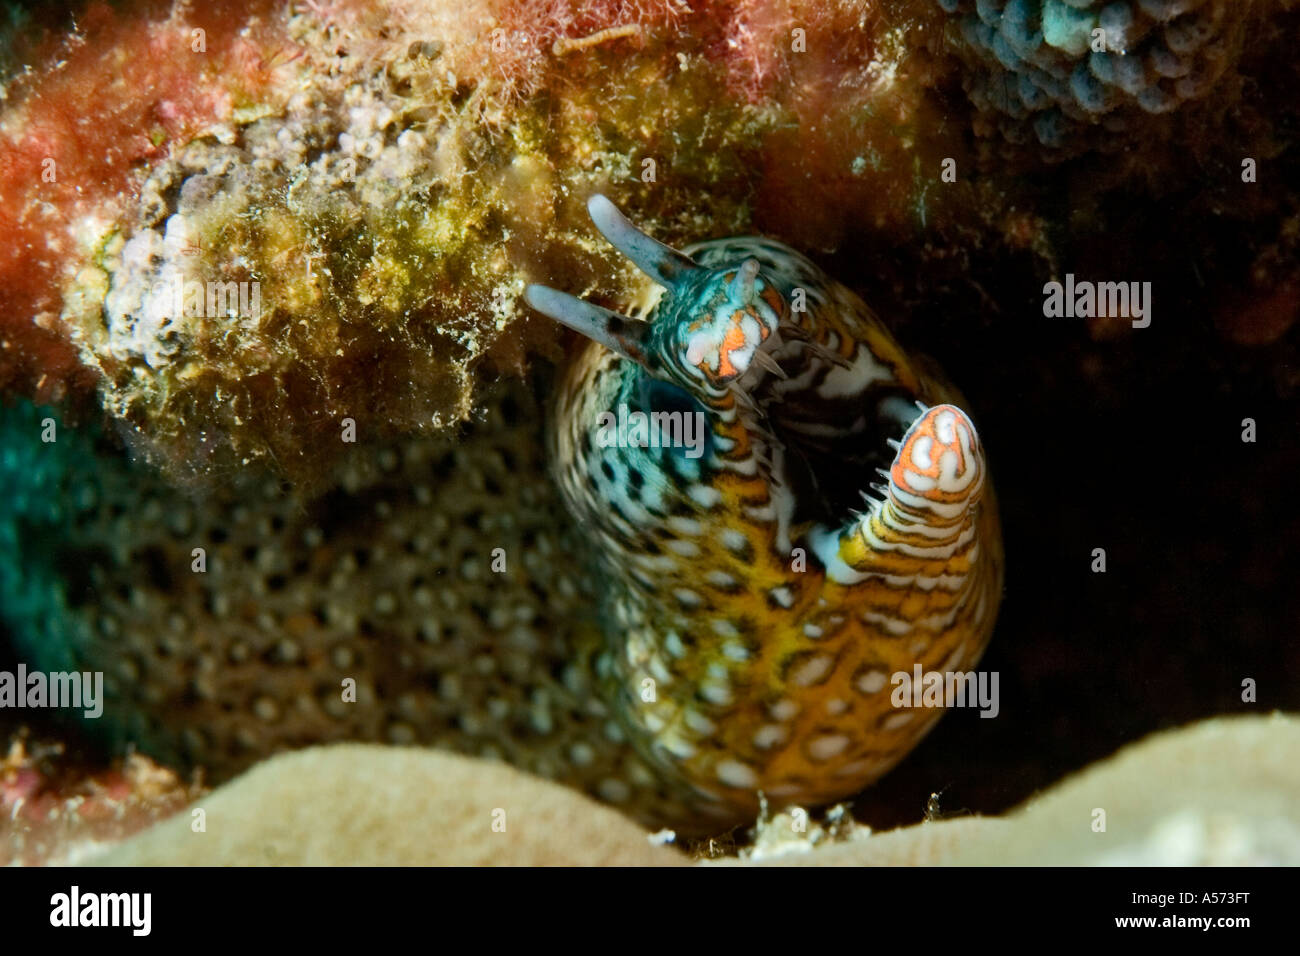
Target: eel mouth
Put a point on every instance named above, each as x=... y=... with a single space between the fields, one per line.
x=834 y=475
x=837 y=448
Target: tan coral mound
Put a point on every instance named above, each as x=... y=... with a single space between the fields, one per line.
x=1222 y=792
x=1225 y=791
x=356 y=804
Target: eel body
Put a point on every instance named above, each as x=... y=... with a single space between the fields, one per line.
x=784 y=512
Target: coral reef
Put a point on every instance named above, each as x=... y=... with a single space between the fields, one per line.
x=463 y=623
x=78 y=122
x=1076 y=74
x=381 y=179
x=374 y=181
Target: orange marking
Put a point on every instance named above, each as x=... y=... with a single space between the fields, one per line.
x=735 y=339
x=773 y=298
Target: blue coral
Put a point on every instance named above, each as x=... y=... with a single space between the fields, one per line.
x=1035 y=66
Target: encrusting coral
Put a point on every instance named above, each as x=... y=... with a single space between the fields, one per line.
x=377 y=181
x=340 y=204
x=438 y=578
x=51 y=812
x=1069 y=75
x=1223 y=792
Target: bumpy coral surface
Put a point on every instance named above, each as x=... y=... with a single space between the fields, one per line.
x=437 y=578
x=1074 y=73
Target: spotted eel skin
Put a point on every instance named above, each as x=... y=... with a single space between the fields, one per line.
x=756 y=598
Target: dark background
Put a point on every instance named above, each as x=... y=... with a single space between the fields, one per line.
x=1133 y=445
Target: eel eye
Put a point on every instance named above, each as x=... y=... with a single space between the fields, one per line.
x=738 y=318
x=723 y=353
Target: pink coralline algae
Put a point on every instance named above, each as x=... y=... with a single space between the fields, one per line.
x=388 y=176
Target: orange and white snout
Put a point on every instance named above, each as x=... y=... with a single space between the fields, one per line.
x=939 y=467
